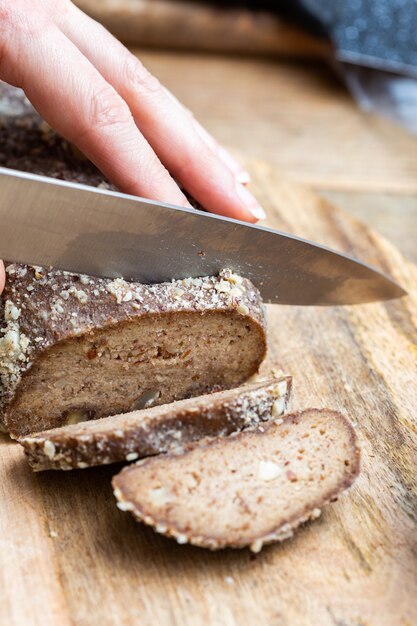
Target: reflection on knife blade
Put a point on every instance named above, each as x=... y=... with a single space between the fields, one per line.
x=105 y=233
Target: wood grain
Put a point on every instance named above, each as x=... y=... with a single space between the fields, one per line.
x=71 y=557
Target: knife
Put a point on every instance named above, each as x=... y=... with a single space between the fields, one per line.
x=82 y=229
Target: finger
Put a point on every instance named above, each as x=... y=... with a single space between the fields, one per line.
x=165 y=125
x=76 y=100
x=237 y=169
x=2 y=276
x=224 y=155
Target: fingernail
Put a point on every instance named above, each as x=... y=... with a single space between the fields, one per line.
x=241 y=175
x=250 y=202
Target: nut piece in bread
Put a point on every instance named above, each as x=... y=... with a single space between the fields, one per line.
x=157 y=430
x=74 y=348
x=248 y=489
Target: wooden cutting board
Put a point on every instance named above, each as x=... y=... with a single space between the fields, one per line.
x=69 y=556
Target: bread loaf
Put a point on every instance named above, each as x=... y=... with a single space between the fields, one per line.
x=247 y=489
x=157 y=430
x=74 y=348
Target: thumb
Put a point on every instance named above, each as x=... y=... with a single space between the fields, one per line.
x=2 y=276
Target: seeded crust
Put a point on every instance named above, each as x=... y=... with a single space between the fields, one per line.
x=248 y=489
x=157 y=430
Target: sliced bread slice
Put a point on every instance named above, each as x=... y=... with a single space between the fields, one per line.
x=160 y=429
x=248 y=489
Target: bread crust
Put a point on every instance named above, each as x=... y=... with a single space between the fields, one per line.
x=157 y=430
x=283 y=528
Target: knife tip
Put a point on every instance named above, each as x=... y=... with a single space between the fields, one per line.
x=392 y=289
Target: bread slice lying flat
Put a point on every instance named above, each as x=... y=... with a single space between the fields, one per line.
x=247 y=489
x=74 y=348
x=157 y=430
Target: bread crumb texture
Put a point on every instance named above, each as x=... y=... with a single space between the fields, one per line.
x=249 y=489
x=47 y=309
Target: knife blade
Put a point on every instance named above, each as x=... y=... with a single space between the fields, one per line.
x=82 y=229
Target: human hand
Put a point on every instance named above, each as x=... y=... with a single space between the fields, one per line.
x=2 y=276
x=99 y=96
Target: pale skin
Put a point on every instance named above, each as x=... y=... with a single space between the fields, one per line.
x=100 y=97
